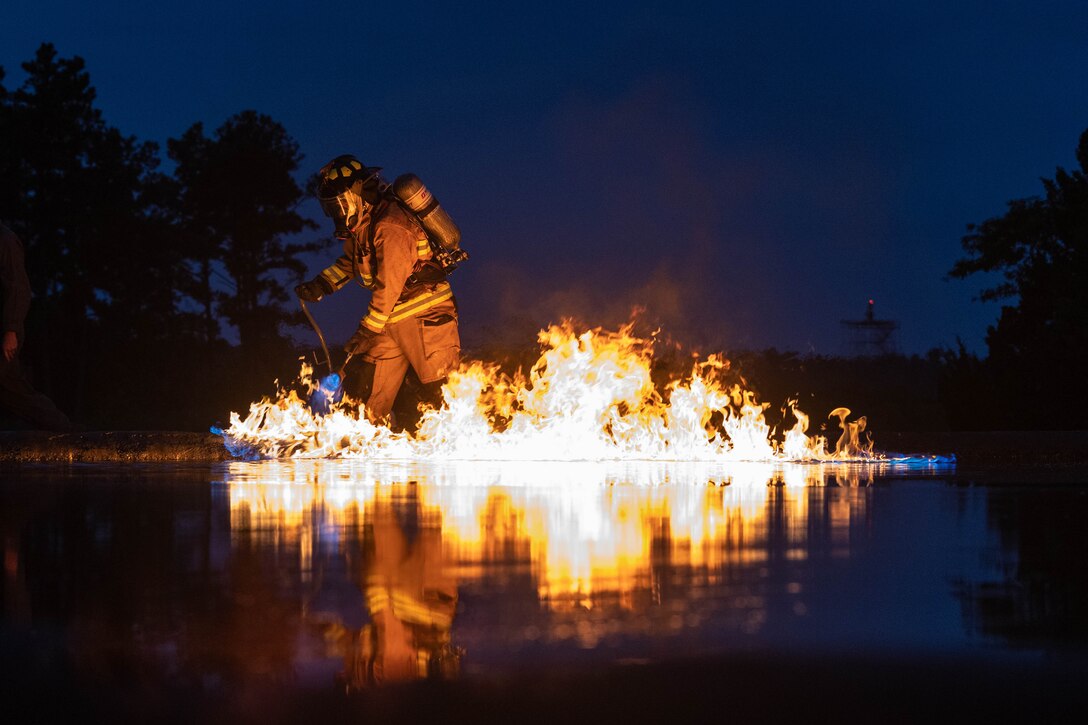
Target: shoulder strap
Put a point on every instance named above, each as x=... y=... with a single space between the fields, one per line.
x=369 y=250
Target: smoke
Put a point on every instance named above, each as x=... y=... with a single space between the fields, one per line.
x=643 y=198
x=660 y=300
x=630 y=213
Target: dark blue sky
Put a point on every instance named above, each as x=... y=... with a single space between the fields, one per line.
x=750 y=174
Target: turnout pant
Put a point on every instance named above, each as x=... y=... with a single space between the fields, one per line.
x=429 y=344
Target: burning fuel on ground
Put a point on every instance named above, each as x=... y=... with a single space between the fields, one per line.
x=590 y=396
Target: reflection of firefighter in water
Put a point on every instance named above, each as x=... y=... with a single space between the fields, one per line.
x=411 y=601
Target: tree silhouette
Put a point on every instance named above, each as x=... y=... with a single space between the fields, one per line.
x=237 y=203
x=134 y=271
x=79 y=193
x=1039 y=346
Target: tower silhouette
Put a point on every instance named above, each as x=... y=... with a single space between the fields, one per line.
x=870 y=337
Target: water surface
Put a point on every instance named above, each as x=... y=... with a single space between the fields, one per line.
x=334 y=577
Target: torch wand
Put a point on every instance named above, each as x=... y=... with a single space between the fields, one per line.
x=317 y=329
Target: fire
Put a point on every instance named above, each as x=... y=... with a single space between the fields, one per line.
x=589 y=397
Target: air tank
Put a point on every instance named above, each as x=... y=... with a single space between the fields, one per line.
x=436 y=222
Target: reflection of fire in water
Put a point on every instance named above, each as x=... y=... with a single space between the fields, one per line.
x=594 y=537
x=590 y=396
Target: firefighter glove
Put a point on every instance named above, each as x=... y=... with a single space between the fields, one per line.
x=363 y=339
x=313 y=290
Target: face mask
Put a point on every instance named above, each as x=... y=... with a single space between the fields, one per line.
x=346 y=210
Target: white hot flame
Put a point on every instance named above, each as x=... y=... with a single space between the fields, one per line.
x=590 y=396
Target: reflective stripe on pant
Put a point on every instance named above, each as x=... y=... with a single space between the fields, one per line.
x=430 y=344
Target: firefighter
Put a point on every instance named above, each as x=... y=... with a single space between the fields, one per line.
x=411 y=322
x=16 y=394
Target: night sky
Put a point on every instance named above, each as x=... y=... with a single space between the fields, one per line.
x=751 y=175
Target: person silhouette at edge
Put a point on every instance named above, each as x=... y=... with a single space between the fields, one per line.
x=16 y=393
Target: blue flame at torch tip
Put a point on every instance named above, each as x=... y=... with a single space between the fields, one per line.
x=327 y=394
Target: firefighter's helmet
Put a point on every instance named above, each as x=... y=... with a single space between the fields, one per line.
x=347 y=191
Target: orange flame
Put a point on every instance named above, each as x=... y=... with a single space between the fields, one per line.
x=589 y=397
